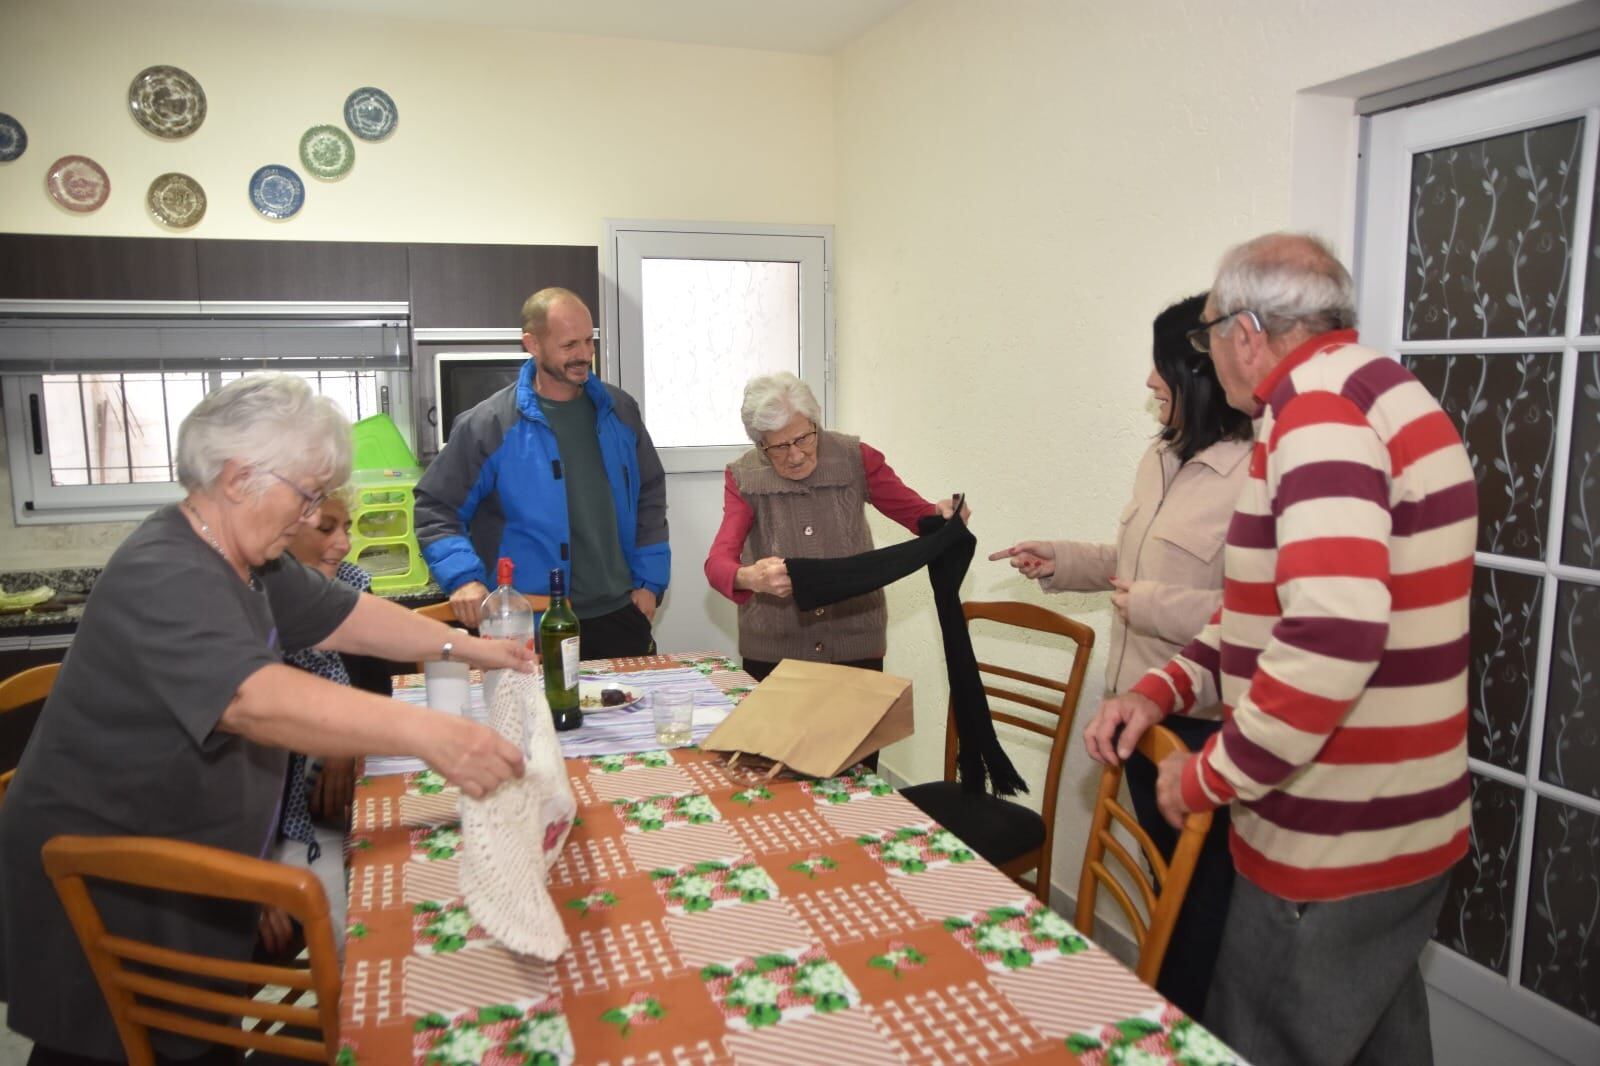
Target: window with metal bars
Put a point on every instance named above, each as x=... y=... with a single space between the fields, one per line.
x=103 y=445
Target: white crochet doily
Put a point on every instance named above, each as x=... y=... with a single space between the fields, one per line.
x=512 y=837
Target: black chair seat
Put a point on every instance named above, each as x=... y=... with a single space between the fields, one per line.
x=996 y=829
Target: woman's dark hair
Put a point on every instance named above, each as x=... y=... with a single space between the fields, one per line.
x=1200 y=412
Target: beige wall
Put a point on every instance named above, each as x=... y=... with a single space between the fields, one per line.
x=505 y=136
x=1022 y=185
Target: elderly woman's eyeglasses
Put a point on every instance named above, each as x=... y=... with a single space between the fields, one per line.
x=781 y=450
x=311 y=502
x=1200 y=336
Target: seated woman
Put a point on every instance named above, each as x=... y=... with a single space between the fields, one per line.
x=317 y=795
x=802 y=492
x=1166 y=572
x=174 y=713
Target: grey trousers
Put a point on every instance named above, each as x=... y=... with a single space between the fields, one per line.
x=1326 y=984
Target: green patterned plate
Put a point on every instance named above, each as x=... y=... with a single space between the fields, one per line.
x=327 y=152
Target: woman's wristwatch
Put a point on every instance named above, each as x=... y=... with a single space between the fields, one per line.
x=445 y=652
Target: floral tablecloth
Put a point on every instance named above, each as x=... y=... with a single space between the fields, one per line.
x=716 y=919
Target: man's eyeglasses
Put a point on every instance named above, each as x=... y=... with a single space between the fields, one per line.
x=781 y=450
x=1200 y=336
x=311 y=502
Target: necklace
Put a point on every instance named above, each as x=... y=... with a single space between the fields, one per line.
x=211 y=538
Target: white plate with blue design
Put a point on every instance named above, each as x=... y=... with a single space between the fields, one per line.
x=370 y=113
x=13 y=138
x=277 y=191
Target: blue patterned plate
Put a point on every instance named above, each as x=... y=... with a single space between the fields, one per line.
x=277 y=192
x=370 y=113
x=13 y=138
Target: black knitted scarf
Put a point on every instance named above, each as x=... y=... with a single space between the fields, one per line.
x=945 y=547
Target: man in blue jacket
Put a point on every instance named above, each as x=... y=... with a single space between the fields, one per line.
x=554 y=471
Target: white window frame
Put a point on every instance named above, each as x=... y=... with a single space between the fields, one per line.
x=37 y=500
x=629 y=241
x=1391 y=140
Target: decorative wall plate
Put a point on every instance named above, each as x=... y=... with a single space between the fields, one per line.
x=176 y=200
x=327 y=152
x=167 y=102
x=13 y=138
x=78 y=183
x=277 y=191
x=370 y=113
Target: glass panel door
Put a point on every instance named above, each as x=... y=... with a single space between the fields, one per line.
x=1479 y=269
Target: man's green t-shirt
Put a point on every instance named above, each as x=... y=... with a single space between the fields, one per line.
x=601 y=581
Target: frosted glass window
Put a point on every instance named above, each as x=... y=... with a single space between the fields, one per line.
x=710 y=326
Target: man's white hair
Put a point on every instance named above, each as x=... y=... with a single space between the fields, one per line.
x=269 y=422
x=771 y=401
x=1288 y=280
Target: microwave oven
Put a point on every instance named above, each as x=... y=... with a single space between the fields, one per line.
x=462 y=380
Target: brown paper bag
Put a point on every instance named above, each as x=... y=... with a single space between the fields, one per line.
x=817 y=718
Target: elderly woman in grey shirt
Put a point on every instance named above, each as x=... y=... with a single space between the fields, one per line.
x=174 y=713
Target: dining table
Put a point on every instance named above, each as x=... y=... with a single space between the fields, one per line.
x=717 y=916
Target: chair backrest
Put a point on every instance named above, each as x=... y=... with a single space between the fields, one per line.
x=443 y=612
x=19 y=690
x=1042 y=620
x=141 y=1000
x=439 y=612
x=1152 y=923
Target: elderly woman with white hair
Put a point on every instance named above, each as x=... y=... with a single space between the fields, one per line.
x=801 y=492
x=174 y=713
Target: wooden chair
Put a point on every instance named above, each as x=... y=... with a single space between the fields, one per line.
x=136 y=997
x=439 y=612
x=443 y=612
x=1007 y=834
x=1152 y=929
x=20 y=690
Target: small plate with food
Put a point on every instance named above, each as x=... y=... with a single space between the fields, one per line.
x=594 y=696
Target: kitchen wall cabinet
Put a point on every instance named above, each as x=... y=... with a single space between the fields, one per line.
x=449 y=286
x=483 y=286
x=302 y=271
x=42 y=267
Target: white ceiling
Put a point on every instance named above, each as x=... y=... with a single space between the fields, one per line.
x=818 y=27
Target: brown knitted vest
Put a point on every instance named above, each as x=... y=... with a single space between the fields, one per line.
x=822 y=517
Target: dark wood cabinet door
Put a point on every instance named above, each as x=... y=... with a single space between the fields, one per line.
x=302 y=271
x=481 y=286
x=45 y=267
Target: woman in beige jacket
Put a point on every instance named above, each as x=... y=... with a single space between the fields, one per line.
x=1165 y=574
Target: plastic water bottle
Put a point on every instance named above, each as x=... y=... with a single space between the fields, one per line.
x=507 y=615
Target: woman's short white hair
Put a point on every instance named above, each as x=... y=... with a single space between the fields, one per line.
x=270 y=422
x=1287 y=279
x=770 y=403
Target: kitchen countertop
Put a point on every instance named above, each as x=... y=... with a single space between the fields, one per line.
x=73 y=585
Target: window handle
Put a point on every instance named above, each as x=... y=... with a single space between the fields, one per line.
x=38 y=423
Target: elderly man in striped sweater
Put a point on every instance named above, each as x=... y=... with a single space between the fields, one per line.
x=1339 y=658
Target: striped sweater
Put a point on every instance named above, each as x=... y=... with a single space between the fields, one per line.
x=1340 y=651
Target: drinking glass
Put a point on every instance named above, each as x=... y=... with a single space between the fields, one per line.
x=673 y=712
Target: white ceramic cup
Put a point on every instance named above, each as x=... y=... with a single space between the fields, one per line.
x=447 y=686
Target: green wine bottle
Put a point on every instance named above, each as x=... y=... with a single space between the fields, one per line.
x=558 y=646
